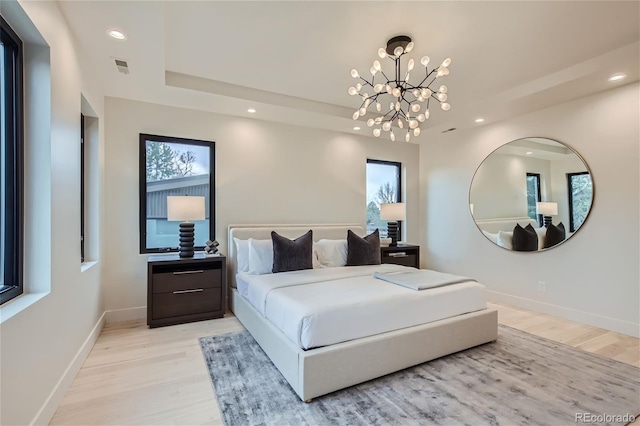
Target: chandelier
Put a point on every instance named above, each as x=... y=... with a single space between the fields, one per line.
x=408 y=103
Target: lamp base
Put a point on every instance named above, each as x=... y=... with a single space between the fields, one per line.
x=546 y=220
x=186 y=239
x=392 y=232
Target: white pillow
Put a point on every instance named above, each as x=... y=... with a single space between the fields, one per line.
x=314 y=257
x=242 y=254
x=505 y=239
x=492 y=237
x=260 y=257
x=332 y=253
x=542 y=232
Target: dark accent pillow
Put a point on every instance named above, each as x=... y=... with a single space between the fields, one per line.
x=555 y=235
x=525 y=239
x=363 y=251
x=292 y=255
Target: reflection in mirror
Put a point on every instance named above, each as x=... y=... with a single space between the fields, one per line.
x=531 y=194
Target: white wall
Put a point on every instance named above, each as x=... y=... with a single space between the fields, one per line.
x=46 y=333
x=265 y=173
x=593 y=277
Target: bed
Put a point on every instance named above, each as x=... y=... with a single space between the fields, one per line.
x=320 y=370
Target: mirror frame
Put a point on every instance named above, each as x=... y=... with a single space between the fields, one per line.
x=567 y=233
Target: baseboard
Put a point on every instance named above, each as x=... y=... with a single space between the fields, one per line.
x=48 y=409
x=126 y=314
x=613 y=324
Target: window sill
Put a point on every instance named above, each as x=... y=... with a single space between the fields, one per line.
x=88 y=265
x=19 y=304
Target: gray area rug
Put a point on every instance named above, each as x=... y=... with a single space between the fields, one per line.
x=519 y=380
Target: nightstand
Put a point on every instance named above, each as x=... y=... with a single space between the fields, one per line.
x=185 y=290
x=402 y=254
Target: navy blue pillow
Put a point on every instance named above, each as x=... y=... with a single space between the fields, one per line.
x=292 y=255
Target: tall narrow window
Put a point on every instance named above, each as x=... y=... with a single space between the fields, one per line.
x=533 y=196
x=11 y=164
x=383 y=186
x=174 y=166
x=82 y=186
x=580 y=196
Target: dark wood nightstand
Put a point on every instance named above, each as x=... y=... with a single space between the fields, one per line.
x=402 y=254
x=185 y=290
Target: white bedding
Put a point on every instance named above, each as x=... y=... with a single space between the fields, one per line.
x=320 y=307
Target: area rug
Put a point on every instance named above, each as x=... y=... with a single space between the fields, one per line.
x=520 y=379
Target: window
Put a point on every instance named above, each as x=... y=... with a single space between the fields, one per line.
x=383 y=186
x=174 y=166
x=580 y=196
x=82 y=188
x=533 y=196
x=11 y=164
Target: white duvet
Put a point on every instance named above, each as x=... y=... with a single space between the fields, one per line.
x=320 y=307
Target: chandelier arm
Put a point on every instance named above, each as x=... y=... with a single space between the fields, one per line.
x=428 y=75
x=385 y=76
x=433 y=95
x=367 y=81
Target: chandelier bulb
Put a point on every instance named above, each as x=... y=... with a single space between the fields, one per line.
x=378 y=88
x=382 y=53
x=373 y=71
x=416 y=132
x=370 y=122
x=442 y=89
x=376 y=65
x=413 y=124
x=378 y=120
x=446 y=62
x=398 y=51
x=409 y=47
x=407 y=137
x=416 y=93
x=415 y=107
x=367 y=102
x=376 y=132
x=424 y=61
x=398 y=106
x=426 y=93
x=411 y=64
x=388 y=88
x=356 y=115
x=391 y=135
x=420 y=98
x=421 y=118
x=400 y=123
x=440 y=72
x=358 y=86
x=362 y=111
x=386 y=126
x=446 y=71
x=445 y=106
x=352 y=90
x=392 y=106
x=354 y=73
x=442 y=97
x=406 y=77
x=396 y=92
x=378 y=107
x=426 y=114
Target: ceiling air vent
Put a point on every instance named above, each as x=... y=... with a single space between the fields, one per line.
x=122 y=66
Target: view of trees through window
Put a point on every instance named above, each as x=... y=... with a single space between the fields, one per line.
x=533 y=196
x=383 y=186
x=174 y=167
x=580 y=196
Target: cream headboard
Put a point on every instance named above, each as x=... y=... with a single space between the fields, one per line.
x=263 y=232
x=504 y=224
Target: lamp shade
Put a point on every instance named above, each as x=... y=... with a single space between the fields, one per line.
x=393 y=211
x=181 y=208
x=547 y=209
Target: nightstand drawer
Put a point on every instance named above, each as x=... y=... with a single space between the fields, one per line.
x=186 y=302
x=406 y=260
x=187 y=279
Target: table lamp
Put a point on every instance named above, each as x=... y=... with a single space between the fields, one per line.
x=547 y=209
x=185 y=209
x=393 y=212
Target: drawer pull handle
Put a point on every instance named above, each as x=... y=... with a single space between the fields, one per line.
x=196 y=290
x=399 y=255
x=200 y=271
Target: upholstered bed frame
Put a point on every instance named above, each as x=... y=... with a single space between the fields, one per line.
x=315 y=372
x=504 y=224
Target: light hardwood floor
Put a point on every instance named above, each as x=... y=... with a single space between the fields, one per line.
x=137 y=375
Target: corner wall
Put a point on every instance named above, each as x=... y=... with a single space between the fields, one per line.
x=265 y=173
x=593 y=277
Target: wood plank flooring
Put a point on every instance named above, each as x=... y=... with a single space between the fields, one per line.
x=140 y=376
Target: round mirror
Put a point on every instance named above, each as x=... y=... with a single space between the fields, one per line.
x=531 y=194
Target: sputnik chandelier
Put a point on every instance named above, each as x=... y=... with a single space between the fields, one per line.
x=407 y=108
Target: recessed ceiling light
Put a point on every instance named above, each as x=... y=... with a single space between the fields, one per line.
x=479 y=120
x=617 y=77
x=529 y=152
x=356 y=128
x=251 y=110
x=117 y=34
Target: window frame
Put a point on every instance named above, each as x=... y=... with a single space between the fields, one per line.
x=398 y=165
x=572 y=227
x=142 y=178
x=13 y=160
x=82 y=189
x=538 y=195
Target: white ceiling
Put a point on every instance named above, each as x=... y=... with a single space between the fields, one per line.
x=291 y=60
